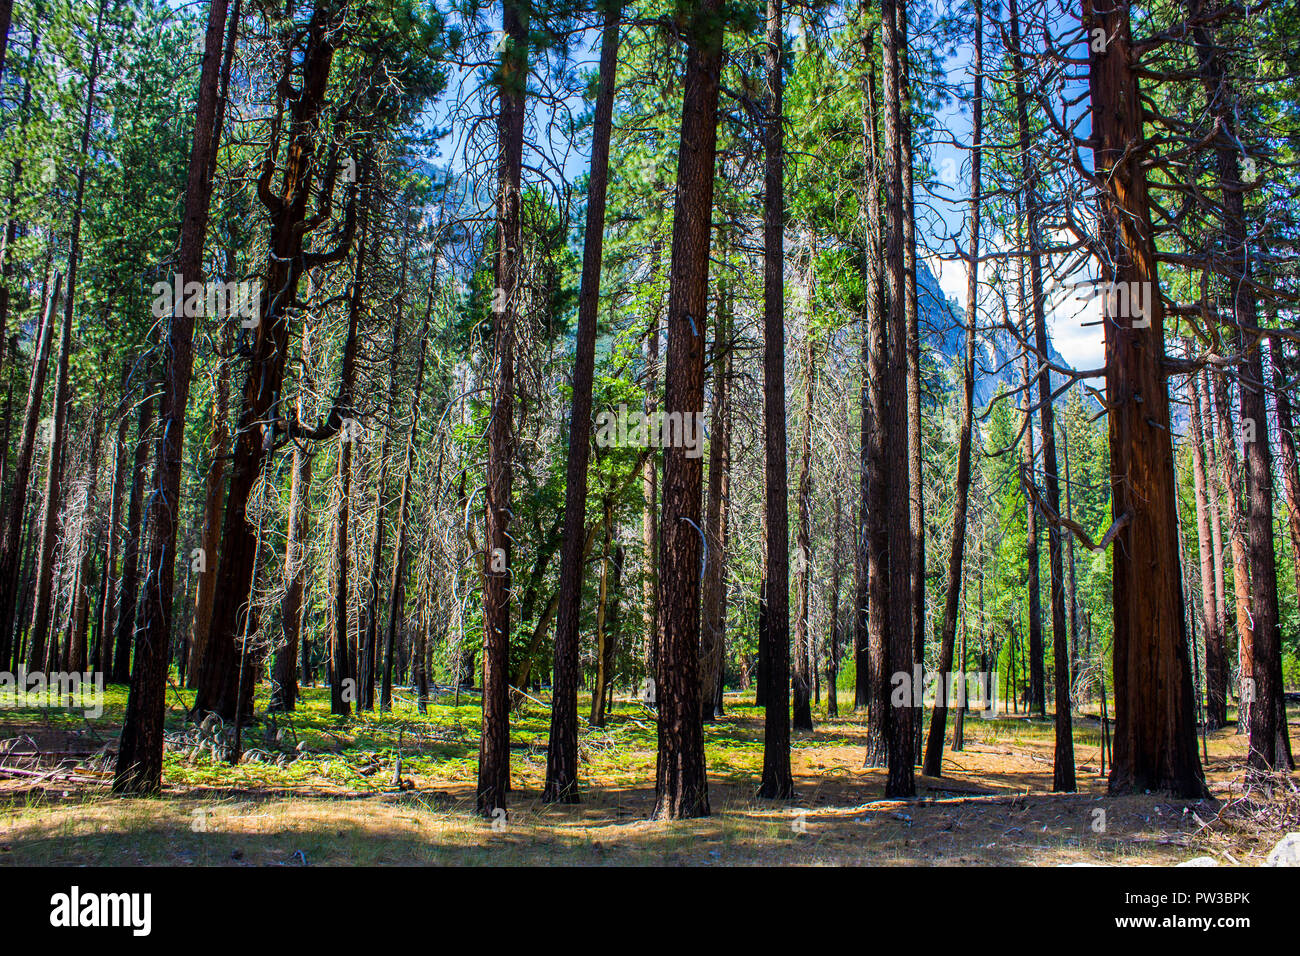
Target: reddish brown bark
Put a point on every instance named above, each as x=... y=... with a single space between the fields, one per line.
x=915 y=451
x=1214 y=494
x=777 y=783
x=681 y=789
x=871 y=560
x=898 y=609
x=1270 y=745
x=1155 y=727
x=218 y=689
x=139 y=764
x=494 y=745
x=562 y=751
x=1287 y=447
x=1216 y=664
x=214 y=483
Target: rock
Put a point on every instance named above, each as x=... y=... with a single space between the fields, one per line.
x=1199 y=861
x=1286 y=853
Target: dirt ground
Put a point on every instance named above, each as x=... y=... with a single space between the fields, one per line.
x=992 y=806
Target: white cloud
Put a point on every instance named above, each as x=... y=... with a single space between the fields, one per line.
x=1075 y=327
x=951 y=276
x=1074 y=316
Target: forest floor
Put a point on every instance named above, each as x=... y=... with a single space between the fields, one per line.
x=317 y=790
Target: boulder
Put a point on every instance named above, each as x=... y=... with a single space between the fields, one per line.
x=1286 y=853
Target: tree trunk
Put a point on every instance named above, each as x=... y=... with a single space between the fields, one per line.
x=1216 y=663
x=777 y=783
x=284 y=677
x=494 y=747
x=213 y=502
x=898 y=608
x=713 y=628
x=933 y=766
x=1270 y=745
x=1033 y=588
x=397 y=585
x=602 y=607
x=1214 y=494
x=833 y=655
x=681 y=789
x=342 y=653
x=1063 y=764
x=1287 y=443
x=802 y=683
x=1155 y=725
x=871 y=558
x=562 y=751
x=218 y=689
x=128 y=588
x=139 y=764
x=11 y=548
x=915 y=451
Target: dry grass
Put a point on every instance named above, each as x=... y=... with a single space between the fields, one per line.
x=991 y=807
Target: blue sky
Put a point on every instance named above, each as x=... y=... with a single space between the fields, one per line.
x=1072 y=322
